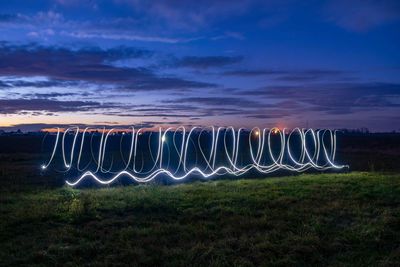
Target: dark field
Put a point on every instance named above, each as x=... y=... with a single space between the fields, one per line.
x=349 y=219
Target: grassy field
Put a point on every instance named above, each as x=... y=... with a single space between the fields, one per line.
x=322 y=219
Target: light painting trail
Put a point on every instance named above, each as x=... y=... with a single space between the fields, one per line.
x=216 y=151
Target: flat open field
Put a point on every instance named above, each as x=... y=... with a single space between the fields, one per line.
x=348 y=219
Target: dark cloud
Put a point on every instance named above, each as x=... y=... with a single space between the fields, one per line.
x=240 y=107
x=147 y=114
x=12 y=106
x=4 y=85
x=306 y=75
x=215 y=101
x=270 y=114
x=207 y=62
x=89 y=64
x=337 y=98
x=177 y=110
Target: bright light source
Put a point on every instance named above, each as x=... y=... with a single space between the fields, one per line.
x=163 y=138
x=257 y=133
x=43 y=167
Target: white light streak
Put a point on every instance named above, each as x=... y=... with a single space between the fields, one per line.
x=315 y=153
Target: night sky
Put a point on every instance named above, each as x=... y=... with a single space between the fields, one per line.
x=319 y=64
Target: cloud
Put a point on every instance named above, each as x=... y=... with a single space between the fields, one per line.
x=256 y=72
x=291 y=75
x=361 y=16
x=111 y=27
x=148 y=16
x=207 y=62
x=188 y=108
x=334 y=98
x=12 y=106
x=270 y=114
x=240 y=107
x=91 y=65
x=126 y=37
x=189 y=15
x=147 y=114
x=48 y=18
x=4 y=85
x=51 y=95
x=215 y=101
x=229 y=35
x=27 y=127
x=17 y=83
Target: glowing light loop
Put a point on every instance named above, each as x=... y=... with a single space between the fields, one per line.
x=317 y=151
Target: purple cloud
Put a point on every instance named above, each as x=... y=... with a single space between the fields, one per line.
x=87 y=64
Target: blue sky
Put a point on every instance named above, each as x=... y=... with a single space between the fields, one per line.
x=322 y=64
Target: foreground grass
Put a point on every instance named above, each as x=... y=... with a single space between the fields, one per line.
x=328 y=219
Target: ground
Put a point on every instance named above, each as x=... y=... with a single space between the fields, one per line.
x=350 y=219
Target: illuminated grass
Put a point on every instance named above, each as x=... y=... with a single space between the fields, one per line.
x=328 y=219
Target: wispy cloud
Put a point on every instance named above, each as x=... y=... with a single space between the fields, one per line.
x=127 y=37
x=207 y=61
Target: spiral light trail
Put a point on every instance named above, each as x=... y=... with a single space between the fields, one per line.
x=316 y=149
